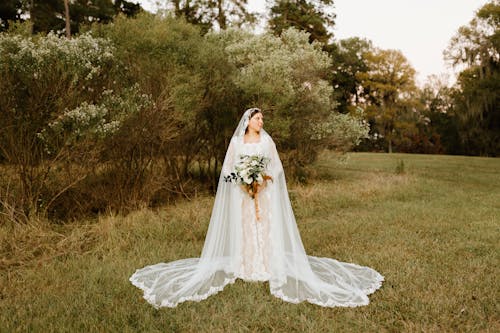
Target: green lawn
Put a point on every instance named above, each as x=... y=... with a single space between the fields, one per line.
x=431 y=226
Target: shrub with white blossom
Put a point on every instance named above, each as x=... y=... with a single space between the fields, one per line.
x=283 y=74
x=46 y=78
x=56 y=106
x=119 y=112
x=286 y=77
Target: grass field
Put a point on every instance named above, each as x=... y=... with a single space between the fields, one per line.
x=430 y=224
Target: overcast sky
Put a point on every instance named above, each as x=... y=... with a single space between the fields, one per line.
x=421 y=29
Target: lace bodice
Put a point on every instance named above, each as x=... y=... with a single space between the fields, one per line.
x=252 y=148
x=264 y=147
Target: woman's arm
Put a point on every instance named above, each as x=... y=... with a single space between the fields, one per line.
x=229 y=160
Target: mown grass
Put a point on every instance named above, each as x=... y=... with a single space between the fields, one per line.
x=430 y=225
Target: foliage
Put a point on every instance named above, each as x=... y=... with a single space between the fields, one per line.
x=189 y=80
x=9 y=11
x=388 y=89
x=342 y=131
x=148 y=105
x=437 y=100
x=55 y=110
x=42 y=77
x=218 y=14
x=476 y=47
x=286 y=77
x=49 y=15
x=312 y=16
x=349 y=61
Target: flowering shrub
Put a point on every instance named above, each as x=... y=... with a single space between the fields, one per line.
x=274 y=70
x=286 y=77
x=56 y=106
x=83 y=58
x=44 y=78
x=76 y=109
x=93 y=122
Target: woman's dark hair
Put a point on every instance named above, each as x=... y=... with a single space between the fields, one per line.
x=253 y=113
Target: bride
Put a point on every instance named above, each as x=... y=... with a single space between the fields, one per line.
x=253 y=236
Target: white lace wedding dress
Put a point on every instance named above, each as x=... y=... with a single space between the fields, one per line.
x=255 y=234
x=270 y=249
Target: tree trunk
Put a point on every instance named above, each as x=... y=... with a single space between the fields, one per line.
x=32 y=3
x=66 y=12
x=177 y=7
x=221 y=16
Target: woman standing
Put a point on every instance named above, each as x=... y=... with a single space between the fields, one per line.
x=253 y=235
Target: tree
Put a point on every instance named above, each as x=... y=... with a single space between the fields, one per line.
x=51 y=110
x=349 y=59
x=312 y=16
x=52 y=15
x=476 y=101
x=437 y=100
x=67 y=18
x=47 y=15
x=90 y=11
x=128 y=8
x=10 y=10
x=388 y=87
x=219 y=14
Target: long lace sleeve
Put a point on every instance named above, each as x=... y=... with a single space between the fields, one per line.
x=228 y=165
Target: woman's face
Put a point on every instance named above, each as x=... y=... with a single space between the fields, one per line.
x=256 y=122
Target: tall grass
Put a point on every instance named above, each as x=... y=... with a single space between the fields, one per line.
x=431 y=230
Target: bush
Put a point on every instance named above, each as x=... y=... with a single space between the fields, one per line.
x=55 y=112
x=286 y=76
x=126 y=115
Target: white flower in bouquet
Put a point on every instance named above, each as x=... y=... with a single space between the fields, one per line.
x=250 y=171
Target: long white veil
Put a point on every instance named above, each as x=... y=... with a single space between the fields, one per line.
x=294 y=276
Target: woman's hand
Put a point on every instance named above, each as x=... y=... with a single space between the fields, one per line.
x=256 y=188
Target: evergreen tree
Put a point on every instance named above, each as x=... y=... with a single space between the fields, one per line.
x=128 y=8
x=10 y=10
x=312 y=16
x=50 y=15
x=349 y=60
x=209 y=14
x=47 y=15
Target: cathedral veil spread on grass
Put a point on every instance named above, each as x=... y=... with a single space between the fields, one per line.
x=293 y=275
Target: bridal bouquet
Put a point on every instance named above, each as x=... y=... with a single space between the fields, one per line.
x=250 y=172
